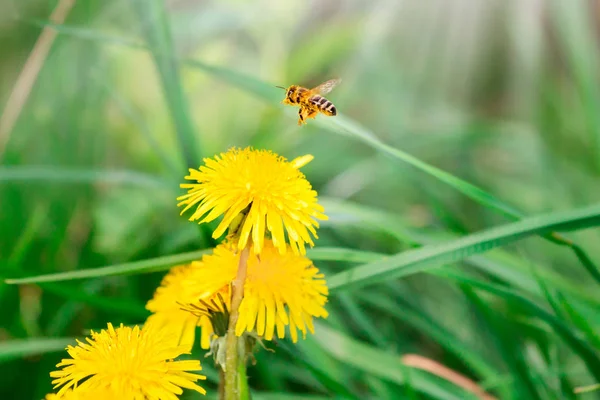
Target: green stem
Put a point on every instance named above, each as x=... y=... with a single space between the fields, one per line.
x=243 y=378
x=232 y=342
x=221 y=384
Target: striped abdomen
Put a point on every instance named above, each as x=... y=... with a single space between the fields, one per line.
x=324 y=105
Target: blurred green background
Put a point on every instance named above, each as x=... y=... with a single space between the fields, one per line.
x=502 y=94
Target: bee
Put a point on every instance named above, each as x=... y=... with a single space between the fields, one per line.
x=311 y=101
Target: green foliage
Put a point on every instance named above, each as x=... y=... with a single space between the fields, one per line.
x=464 y=149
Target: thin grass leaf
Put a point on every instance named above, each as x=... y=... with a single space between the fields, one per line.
x=156 y=27
x=364 y=322
x=342 y=255
x=499 y=334
x=382 y=389
x=323 y=369
x=118 y=306
x=382 y=364
x=248 y=83
x=580 y=320
x=130 y=268
x=500 y=264
x=85 y=33
x=70 y=175
x=578 y=44
x=419 y=260
x=27 y=237
x=134 y=116
x=68 y=311
x=409 y=390
x=429 y=327
x=19 y=348
x=286 y=396
x=555 y=363
x=343 y=125
x=587 y=352
x=166 y=262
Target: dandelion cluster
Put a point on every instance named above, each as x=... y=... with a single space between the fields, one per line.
x=257 y=284
x=280 y=291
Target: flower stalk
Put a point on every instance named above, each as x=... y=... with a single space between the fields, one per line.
x=242 y=378
x=232 y=356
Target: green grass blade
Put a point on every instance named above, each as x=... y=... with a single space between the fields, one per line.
x=138 y=120
x=125 y=307
x=414 y=261
x=27 y=237
x=429 y=327
x=155 y=25
x=498 y=334
x=239 y=80
x=325 y=370
x=363 y=321
x=580 y=320
x=382 y=364
x=135 y=267
x=166 y=262
x=342 y=255
x=287 y=396
x=87 y=176
x=19 y=348
x=587 y=352
x=500 y=264
x=85 y=33
x=577 y=42
x=346 y=126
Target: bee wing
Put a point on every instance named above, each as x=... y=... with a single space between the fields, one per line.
x=326 y=87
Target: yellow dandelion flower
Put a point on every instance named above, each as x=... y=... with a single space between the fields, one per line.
x=71 y=394
x=269 y=190
x=280 y=289
x=135 y=363
x=184 y=284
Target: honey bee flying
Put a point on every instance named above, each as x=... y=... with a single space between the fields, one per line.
x=311 y=101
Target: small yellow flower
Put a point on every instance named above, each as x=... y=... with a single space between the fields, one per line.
x=76 y=395
x=270 y=191
x=134 y=363
x=183 y=285
x=280 y=289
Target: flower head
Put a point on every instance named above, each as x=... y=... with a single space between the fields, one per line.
x=71 y=394
x=183 y=285
x=280 y=289
x=134 y=363
x=268 y=191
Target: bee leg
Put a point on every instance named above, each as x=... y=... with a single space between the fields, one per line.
x=301 y=116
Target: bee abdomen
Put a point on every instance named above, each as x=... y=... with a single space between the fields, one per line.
x=323 y=105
